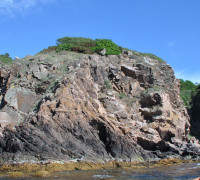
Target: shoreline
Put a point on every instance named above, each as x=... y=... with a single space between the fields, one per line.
x=49 y=169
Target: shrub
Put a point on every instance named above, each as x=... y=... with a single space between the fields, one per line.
x=196 y=106
x=187 y=85
x=122 y=95
x=111 y=47
x=62 y=47
x=107 y=84
x=5 y=59
x=49 y=49
x=86 y=45
x=77 y=44
x=188 y=90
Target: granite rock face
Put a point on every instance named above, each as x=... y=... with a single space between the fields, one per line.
x=70 y=106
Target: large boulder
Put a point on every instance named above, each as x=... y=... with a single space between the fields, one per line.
x=21 y=99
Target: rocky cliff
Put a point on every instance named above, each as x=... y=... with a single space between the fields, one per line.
x=73 y=106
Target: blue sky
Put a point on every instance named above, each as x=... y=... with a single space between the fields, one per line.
x=169 y=29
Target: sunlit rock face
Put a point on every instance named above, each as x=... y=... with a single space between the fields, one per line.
x=70 y=106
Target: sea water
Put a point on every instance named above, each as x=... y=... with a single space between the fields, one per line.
x=179 y=172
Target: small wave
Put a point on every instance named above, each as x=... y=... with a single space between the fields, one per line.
x=193 y=168
x=185 y=177
x=145 y=176
x=102 y=176
x=180 y=169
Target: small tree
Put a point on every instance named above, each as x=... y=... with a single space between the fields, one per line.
x=111 y=47
x=5 y=59
x=77 y=44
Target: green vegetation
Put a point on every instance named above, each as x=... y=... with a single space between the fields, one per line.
x=196 y=105
x=140 y=54
x=152 y=89
x=90 y=46
x=188 y=90
x=190 y=93
x=152 y=56
x=5 y=59
x=111 y=47
x=77 y=44
x=49 y=49
x=85 y=45
x=195 y=113
x=107 y=84
x=122 y=95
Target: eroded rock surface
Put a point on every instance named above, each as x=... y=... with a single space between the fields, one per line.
x=66 y=106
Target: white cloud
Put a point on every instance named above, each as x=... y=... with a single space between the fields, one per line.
x=10 y=7
x=194 y=77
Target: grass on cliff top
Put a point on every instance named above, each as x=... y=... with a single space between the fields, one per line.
x=152 y=56
x=85 y=45
x=90 y=46
x=149 y=55
x=5 y=59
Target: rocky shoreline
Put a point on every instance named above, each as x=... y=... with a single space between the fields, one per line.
x=49 y=169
